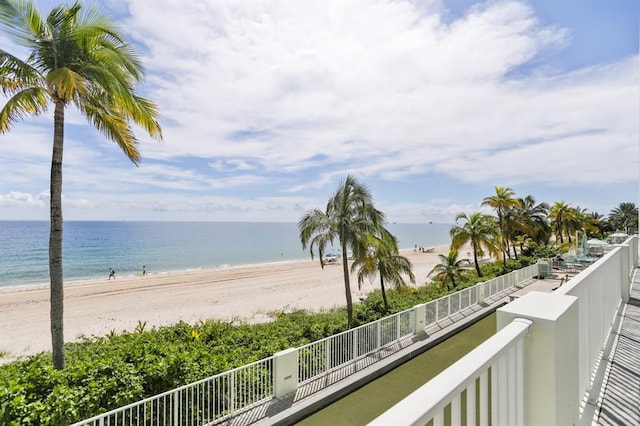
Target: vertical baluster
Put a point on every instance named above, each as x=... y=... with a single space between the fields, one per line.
x=494 y=394
x=232 y=392
x=483 y=387
x=503 y=384
x=471 y=403
x=512 y=394
x=355 y=344
x=327 y=354
x=455 y=410
x=438 y=419
x=176 y=408
x=520 y=382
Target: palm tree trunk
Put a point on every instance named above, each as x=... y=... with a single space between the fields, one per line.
x=384 y=295
x=347 y=286
x=55 y=241
x=475 y=261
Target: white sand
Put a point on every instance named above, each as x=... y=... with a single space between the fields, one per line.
x=250 y=293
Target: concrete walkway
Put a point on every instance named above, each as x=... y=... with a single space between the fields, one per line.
x=621 y=400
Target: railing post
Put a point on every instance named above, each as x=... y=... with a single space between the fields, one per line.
x=419 y=315
x=480 y=293
x=551 y=353
x=625 y=282
x=285 y=372
x=176 y=408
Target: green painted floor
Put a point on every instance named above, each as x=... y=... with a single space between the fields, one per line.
x=367 y=403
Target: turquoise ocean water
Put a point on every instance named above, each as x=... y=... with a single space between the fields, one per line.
x=91 y=248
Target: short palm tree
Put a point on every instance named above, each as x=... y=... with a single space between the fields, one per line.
x=480 y=230
x=624 y=217
x=349 y=217
x=449 y=269
x=75 y=57
x=383 y=258
x=534 y=217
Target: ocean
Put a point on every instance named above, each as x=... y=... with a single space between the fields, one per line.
x=90 y=248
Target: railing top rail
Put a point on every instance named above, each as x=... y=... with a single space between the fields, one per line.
x=577 y=280
x=416 y=408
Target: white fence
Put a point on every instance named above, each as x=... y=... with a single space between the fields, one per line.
x=227 y=394
x=543 y=377
x=318 y=358
x=202 y=402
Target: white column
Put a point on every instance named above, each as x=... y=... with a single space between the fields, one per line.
x=419 y=314
x=480 y=288
x=285 y=372
x=625 y=282
x=551 y=385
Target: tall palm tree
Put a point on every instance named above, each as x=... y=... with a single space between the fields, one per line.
x=449 y=269
x=480 y=230
x=529 y=222
x=564 y=219
x=349 y=217
x=76 y=56
x=383 y=258
x=502 y=201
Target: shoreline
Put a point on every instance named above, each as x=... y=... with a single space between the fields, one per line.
x=243 y=293
x=10 y=288
x=90 y=280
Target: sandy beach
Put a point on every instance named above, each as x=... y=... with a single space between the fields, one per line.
x=247 y=293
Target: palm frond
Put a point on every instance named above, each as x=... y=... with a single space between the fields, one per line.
x=16 y=74
x=31 y=101
x=21 y=21
x=114 y=125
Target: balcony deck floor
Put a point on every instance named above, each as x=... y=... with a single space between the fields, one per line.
x=621 y=399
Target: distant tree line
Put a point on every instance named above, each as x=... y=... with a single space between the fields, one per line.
x=519 y=226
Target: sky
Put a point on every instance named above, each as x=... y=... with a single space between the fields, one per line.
x=266 y=106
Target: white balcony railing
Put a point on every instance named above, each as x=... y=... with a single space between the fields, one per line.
x=491 y=372
x=543 y=377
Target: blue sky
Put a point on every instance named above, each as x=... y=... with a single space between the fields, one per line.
x=267 y=105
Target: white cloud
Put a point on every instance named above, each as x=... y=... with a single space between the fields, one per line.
x=385 y=87
x=283 y=98
x=24 y=200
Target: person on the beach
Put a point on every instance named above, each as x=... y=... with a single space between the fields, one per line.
x=144 y=271
x=112 y=273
